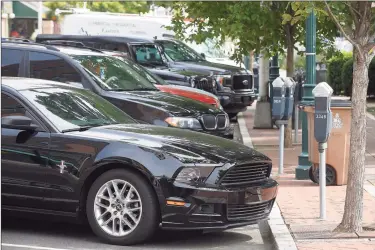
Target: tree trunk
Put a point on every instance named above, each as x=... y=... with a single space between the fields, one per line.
x=288 y=142
x=352 y=219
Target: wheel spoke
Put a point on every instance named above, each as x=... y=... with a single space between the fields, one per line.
x=129 y=194
x=123 y=190
x=115 y=187
x=134 y=209
x=103 y=198
x=102 y=215
x=132 y=217
x=101 y=205
x=107 y=221
x=114 y=225
x=109 y=189
x=128 y=223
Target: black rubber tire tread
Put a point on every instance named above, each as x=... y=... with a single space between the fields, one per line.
x=150 y=207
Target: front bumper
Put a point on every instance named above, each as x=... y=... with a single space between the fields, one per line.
x=240 y=101
x=214 y=209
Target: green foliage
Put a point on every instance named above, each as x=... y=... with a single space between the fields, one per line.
x=335 y=65
x=347 y=77
x=259 y=26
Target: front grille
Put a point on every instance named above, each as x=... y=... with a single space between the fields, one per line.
x=248 y=212
x=239 y=82
x=221 y=121
x=209 y=121
x=242 y=175
x=204 y=84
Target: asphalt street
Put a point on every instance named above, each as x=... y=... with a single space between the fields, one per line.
x=20 y=233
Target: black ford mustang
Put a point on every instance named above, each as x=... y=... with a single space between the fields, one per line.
x=68 y=151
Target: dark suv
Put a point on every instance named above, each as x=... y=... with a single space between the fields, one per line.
x=145 y=52
x=115 y=80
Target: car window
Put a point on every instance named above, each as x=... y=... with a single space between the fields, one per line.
x=10 y=61
x=111 y=73
x=50 y=67
x=179 y=51
x=70 y=108
x=147 y=54
x=11 y=107
x=114 y=47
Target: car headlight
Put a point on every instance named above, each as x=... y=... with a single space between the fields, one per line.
x=194 y=175
x=183 y=122
x=221 y=78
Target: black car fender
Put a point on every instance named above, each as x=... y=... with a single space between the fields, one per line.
x=148 y=162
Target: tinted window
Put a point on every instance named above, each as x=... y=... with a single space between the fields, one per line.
x=51 y=67
x=70 y=108
x=10 y=106
x=179 y=51
x=10 y=61
x=148 y=54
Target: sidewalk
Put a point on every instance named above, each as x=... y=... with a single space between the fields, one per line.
x=298 y=200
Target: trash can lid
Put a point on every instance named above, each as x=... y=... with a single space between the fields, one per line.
x=340 y=103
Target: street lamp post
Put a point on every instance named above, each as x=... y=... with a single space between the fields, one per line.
x=302 y=170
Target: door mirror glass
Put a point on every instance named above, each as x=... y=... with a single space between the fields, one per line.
x=18 y=122
x=203 y=55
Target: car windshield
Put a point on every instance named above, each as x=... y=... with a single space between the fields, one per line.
x=178 y=51
x=155 y=79
x=113 y=74
x=71 y=108
x=147 y=54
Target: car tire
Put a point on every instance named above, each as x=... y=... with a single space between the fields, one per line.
x=139 y=220
x=232 y=115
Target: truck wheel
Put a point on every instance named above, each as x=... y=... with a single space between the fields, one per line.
x=232 y=115
x=121 y=208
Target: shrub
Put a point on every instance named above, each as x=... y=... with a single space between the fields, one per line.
x=347 y=77
x=334 y=69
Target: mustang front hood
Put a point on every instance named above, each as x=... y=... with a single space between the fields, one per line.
x=177 y=105
x=187 y=146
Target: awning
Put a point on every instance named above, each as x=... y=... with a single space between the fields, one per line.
x=27 y=9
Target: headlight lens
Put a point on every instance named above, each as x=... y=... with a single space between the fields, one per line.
x=183 y=122
x=220 y=78
x=194 y=175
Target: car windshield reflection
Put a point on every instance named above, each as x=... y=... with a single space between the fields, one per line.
x=113 y=74
x=70 y=108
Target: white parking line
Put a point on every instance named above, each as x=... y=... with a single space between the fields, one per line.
x=32 y=247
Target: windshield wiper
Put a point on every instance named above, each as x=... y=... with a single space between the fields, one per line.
x=83 y=128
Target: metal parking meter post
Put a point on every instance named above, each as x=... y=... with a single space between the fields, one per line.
x=278 y=113
x=322 y=179
x=322 y=129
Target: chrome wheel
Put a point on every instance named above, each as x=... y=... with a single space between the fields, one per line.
x=117 y=207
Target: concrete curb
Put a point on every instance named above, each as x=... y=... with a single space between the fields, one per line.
x=275 y=227
x=370 y=116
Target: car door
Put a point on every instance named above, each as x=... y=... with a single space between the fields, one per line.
x=24 y=158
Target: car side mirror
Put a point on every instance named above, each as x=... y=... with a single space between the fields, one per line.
x=18 y=122
x=203 y=55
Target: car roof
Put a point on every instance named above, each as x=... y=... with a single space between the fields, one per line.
x=23 y=83
x=119 y=39
x=69 y=50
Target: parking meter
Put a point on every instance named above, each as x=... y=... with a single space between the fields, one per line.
x=322 y=128
x=323 y=116
x=278 y=99
x=289 y=97
x=278 y=113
